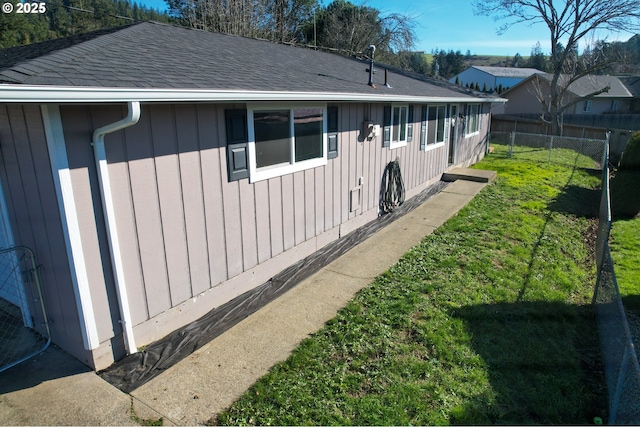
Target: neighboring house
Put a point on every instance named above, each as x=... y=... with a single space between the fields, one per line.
x=633 y=86
x=524 y=97
x=159 y=172
x=493 y=77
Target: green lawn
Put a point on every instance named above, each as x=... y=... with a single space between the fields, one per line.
x=486 y=321
x=625 y=236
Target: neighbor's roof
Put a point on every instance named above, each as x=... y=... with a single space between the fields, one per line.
x=507 y=71
x=587 y=85
x=632 y=84
x=152 y=58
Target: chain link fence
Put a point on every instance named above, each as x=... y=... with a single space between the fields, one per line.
x=24 y=328
x=580 y=152
x=618 y=352
x=620 y=360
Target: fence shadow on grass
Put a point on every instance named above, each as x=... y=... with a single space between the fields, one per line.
x=578 y=201
x=543 y=360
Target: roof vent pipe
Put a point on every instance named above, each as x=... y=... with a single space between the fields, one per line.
x=373 y=51
x=110 y=219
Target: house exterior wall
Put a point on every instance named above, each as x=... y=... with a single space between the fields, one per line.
x=33 y=210
x=191 y=240
x=522 y=99
x=603 y=106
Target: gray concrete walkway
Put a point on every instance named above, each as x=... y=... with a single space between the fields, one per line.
x=54 y=389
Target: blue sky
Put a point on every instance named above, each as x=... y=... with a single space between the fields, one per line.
x=451 y=24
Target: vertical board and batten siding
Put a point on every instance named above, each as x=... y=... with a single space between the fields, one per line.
x=25 y=170
x=185 y=228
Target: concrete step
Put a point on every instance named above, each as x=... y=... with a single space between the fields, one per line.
x=467 y=174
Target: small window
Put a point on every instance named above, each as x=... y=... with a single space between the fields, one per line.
x=473 y=119
x=614 y=105
x=286 y=140
x=399 y=126
x=436 y=117
x=587 y=106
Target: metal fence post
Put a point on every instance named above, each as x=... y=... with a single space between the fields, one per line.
x=550 y=147
x=513 y=141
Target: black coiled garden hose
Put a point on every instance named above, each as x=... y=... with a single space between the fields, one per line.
x=392 y=187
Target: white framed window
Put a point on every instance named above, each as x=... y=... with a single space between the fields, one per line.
x=399 y=119
x=436 y=129
x=587 y=106
x=285 y=139
x=614 y=105
x=472 y=125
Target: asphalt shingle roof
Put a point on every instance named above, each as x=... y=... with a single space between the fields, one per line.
x=154 y=55
x=632 y=84
x=507 y=71
x=587 y=85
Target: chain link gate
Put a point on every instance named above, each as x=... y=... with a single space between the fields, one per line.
x=24 y=327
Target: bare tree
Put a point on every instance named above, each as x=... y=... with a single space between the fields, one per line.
x=569 y=22
x=280 y=20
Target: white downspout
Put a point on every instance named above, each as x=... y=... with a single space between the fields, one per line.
x=110 y=218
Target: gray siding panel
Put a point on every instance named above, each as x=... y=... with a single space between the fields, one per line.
x=193 y=197
x=146 y=206
x=319 y=193
x=33 y=210
x=263 y=222
x=116 y=146
x=248 y=224
x=214 y=171
x=299 y=207
x=276 y=219
x=186 y=229
x=288 y=212
x=171 y=205
x=309 y=204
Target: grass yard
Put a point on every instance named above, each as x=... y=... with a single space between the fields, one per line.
x=486 y=321
x=625 y=236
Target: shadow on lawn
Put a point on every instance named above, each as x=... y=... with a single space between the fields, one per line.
x=543 y=360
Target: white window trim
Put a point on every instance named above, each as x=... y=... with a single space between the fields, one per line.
x=437 y=144
x=274 y=171
x=476 y=132
x=400 y=143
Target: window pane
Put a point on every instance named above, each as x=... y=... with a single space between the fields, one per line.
x=307 y=128
x=432 y=115
x=395 y=136
x=472 y=120
x=440 y=129
x=273 y=140
x=403 y=124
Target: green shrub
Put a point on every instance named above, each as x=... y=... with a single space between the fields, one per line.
x=631 y=154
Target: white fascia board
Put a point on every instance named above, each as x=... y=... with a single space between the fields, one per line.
x=16 y=93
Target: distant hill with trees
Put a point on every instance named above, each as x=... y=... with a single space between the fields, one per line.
x=69 y=17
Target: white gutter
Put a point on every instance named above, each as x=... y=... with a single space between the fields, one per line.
x=71 y=94
x=109 y=212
